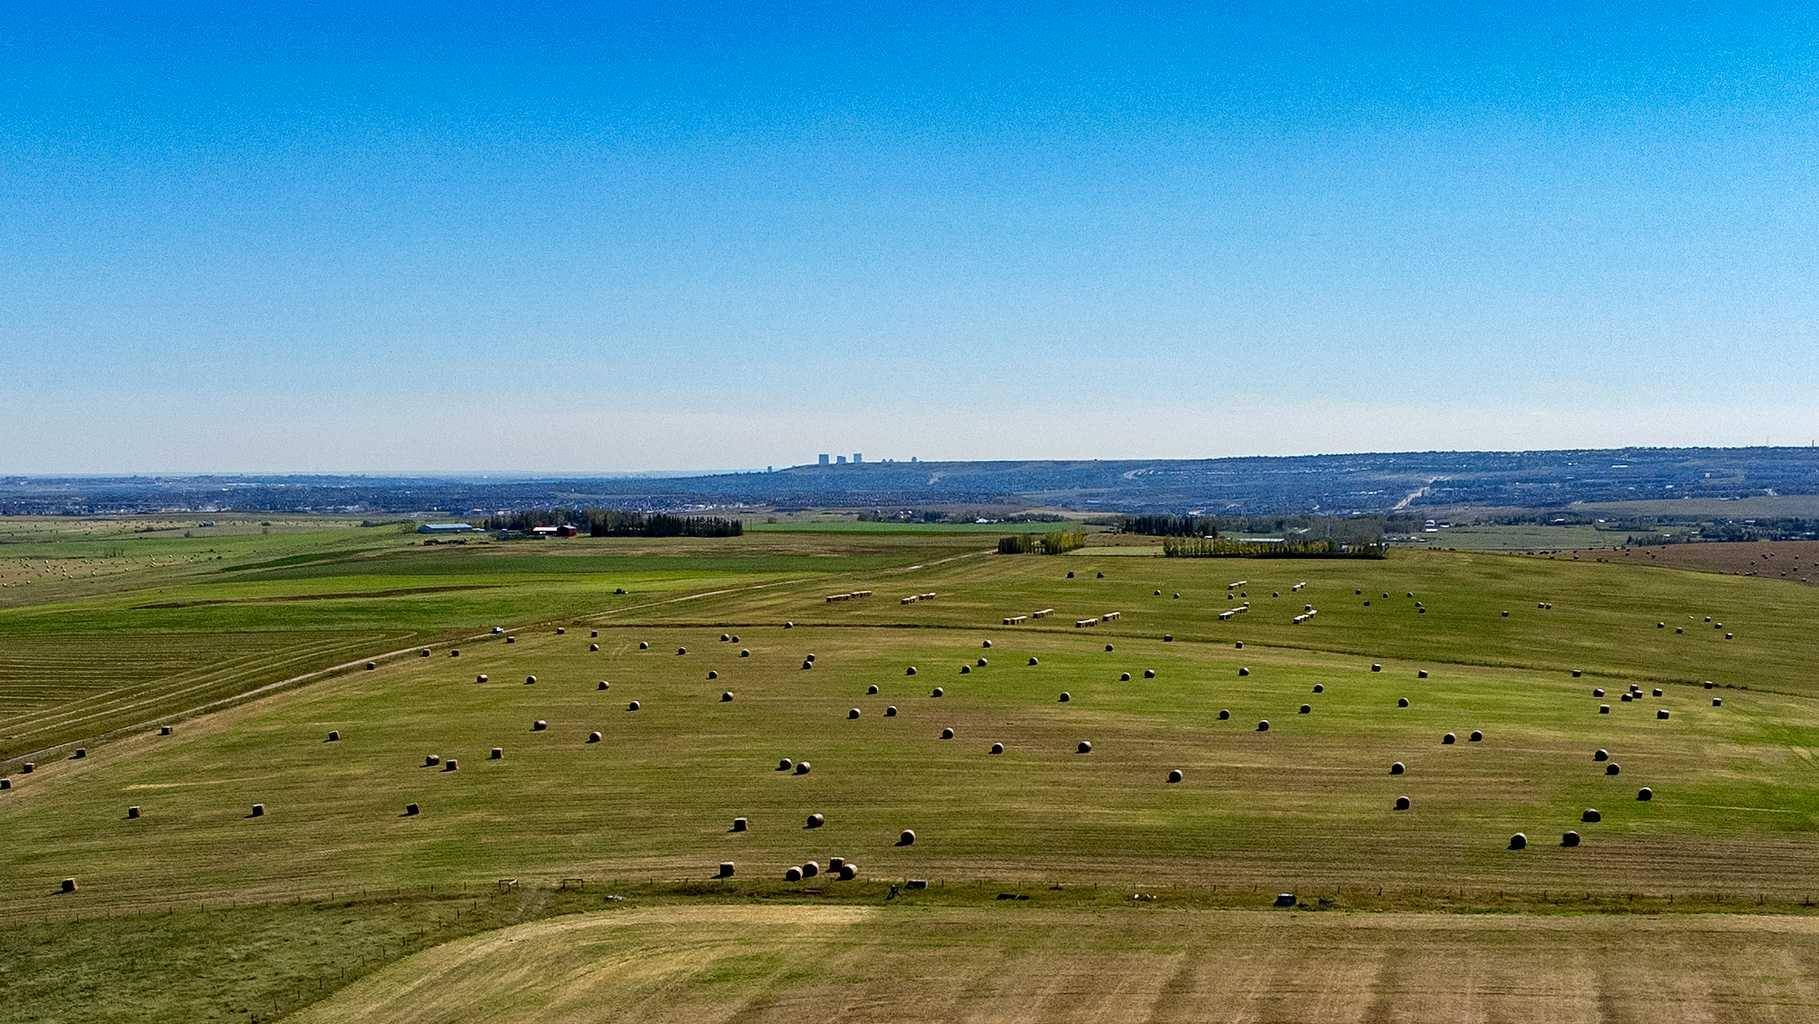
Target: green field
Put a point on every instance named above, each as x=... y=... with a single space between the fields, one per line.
x=1723 y=853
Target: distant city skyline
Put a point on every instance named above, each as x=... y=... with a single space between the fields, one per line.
x=264 y=238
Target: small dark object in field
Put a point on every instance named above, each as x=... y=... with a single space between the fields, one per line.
x=258 y=811
x=871 y=690
x=712 y=675
x=1397 y=768
x=133 y=811
x=815 y=820
x=511 y=639
x=726 y=696
x=982 y=662
x=1613 y=768
x=1656 y=692
x=937 y=692
x=633 y=706
x=1717 y=702
x=1070 y=574
x=726 y=869
x=740 y=825
x=1032 y=660
x=1601 y=754
x=891 y=712
x=966 y=669
x=947 y=733
x=1591 y=814
x=69 y=885
x=1243 y=670
x=1518 y=841
x=1168 y=638
x=1064 y=698
x=422 y=652
x=451 y=765
x=334 y=736
x=681 y=651
x=1083 y=747
x=1402 y=702
x=985 y=643
x=593 y=648
x=852 y=713
x=1149 y=673
x=603 y=685
x=1604 y=709
x=1402 y=803
x=410 y=810
x=80 y=753
x=1477 y=736
x=1577 y=673
x=910 y=671
x=497 y=754
x=454 y=652
x=848 y=871
x=165 y=730
x=792 y=874
x=593 y=737
x=431 y=760
x=997 y=748
x=743 y=653
x=1376 y=667
x=1597 y=691
x=1307 y=709
x=1239 y=646
x=1175 y=775
x=480 y=678
x=1448 y=739
x=1421 y=674
x=803 y=767
x=644 y=645
x=1645 y=793
x=371 y=665
x=1124 y=677
x=1660 y=713
x=810 y=869
x=784 y=764
x=539 y=725
x=1319 y=687
x=1285 y=899
x=1263 y=725
x=906 y=838
x=530 y=680
x=1569 y=838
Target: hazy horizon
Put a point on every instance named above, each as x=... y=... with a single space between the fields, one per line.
x=268 y=239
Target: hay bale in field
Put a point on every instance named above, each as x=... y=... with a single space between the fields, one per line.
x=644 y=645
x=726 y=869
x=803 y=767
x=1149 y=673
x=594 y=633
x=1569 y=838
x=1590 y=814
x=966 y=670
x=593 y=737
x=1421 y=673
x=593 y=648
x=1402 y=803
x=852 y=713
x=1613 y=768
x=133 y=811
x=1626 y=697
x=454 y=652
x=539 y=725
x=1168 y=638
x=1108 y=648
x=28 y=767
x=561 y=631
x=1518 y=841
x=1064 y=698
x=1449 y=739
x=410 y=810
x=985 y=643
x=891 y=712
x=1307 y=709
x=1285 y=899
x=1645 y=794
x=431 y=760
x=784 y=764
x=1070 y=574
x=1124 y=677
x=1656 y=692
x=1224 y=714
x=1680 y=630
x=633 y=706
x=1402 y=702
x=530 y=680
x=1244 y=670
x=1098 y=575
x=947 y=732
x=1730 y=636
x=680 y=651
x=982 y=662
x=997 y=748
x=69 y=885
x=712 y=675
x=1239 y=646
x=743 y=653
x=815 y=820
x=937 y=692
x=907 y=837
x=496 y=754
x=1505 y=614
x=1597 y=691
x=1397 y=768
x=451 y=765
x=724 y=637
x=422 y=652
x=1177 y=595
x=1661 y=713
x=726 y=696
x=739 y=825
x=792 y=874
x=1375 y=667
x=1033 y=660
x=1175 y=775
x=810 y=869
x=810 y=656
x=1577 y=673
x=1601 y=754
x=1717 y=702
x=1083 y=747
x=871 y=690
x=789 y=625
x=602 y=685
x=258 y=811
x=1477 y=736
x=5 y=784
x=807 y=663
x=1263 y=725
x=334 y=736
x=1660 y=625
x=371 y=665
x=910 y=671
x=1604 y=709
x=480 y=677
x=1319 y=687
x=848 y=871
x=1155 y=593
x=165 y=730
x=511 y=639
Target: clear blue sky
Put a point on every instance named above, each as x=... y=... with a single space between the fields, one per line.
x=347 y=237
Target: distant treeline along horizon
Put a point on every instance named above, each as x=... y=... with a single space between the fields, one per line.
x=606 y=522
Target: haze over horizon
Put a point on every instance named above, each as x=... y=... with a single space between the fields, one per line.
x=352 y=239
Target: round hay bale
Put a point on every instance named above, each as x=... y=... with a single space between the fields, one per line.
x=1177 y=595
x=511 y=639
x=133 y=811
x=593 y=737
x=1660 y=714
x=1577 y=673
x=848 y=871
x=1285 y=899
x=5 y=784
x=480 y=678
x=602 y=686
x=1402 y=803
x=1645 y=794
x=784 y=764
x=1397 y=768
x=1604 y=709
x=891 y=712
x=1518 y=842
x=1108 y=648
x=431 y=760
x=594 y=633
x=815 y=820
x=740 y=825
x=966 y=669
x=1263 y=725
x=712 y=675
x=1098 y=575
x=451 y=765
x=539 y=725
x=371 y=665
x=1597 y=691
x=907 y=837
x=1613 y=768
x=982 y=662
x=724 y=637
x=1376 y=667
x=1243 y=670
x=985 y=643
x=1506 y=614
x=726 y=869
x=1307 y=709
x=789 y=625
x=744 y=653
x=803 y=767
x=1168 y=638
x=910 y=671
x=1660 y=625
x=947 y=732
x=530 y=680
x=1477 y=736
x=872 y=690
x=334 y=736
x=680 y=651
x=1448 y=739
x=1569 y=838
x=1626 y=698
x=937 y=692
x=1601 y=755
x=1680 y=630
x=810 y=869
x=1421 y=673
x=1083 y=747
x=632 y=706
x=792 y=874
x=454 y=652
x=1124 y=677
x=997 y=748
x=28 y=767
x=1402 y=702
x=1175 y=775
x=1656 y=692
x=1033 y=660
x=410 y=810
x=1064 y=698
x=497 y=754
x=422 y=652
x=1224 y=714
x=1070 y=574
x=1239 y=646
x=807 y=663
x=1155 y=593
x=258 y=811
x=1730 y=636
x=1591 y=815
x=165 y=730
x=593 y=648
x=1149 y=673
x=69 y=885
x=726 y=696
x=852 y=713
x=1319 y=687
x=644 y=645
x=1717 y=702
x=561 y=631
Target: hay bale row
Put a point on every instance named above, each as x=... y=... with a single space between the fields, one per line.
x=1012 y=620
x=1042 y=613
x=1111 y=616
x=1083 y=623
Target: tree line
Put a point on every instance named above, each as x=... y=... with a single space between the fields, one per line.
x=606 y=522
x=1041 y=544
x=1220 y=547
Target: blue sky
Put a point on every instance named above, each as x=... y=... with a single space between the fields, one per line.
x=357 y=237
